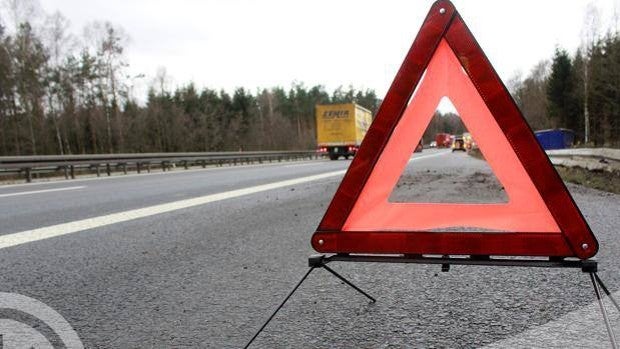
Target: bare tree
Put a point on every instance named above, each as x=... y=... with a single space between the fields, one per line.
x=109 y=42
x=18 y=12
x=162 y=80
x=589 y=35
x=530 y=94
x=59 y=43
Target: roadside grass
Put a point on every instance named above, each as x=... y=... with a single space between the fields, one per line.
x=601 y=180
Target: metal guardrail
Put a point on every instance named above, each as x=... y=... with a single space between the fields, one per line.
x=593 y=159
x=69 y=164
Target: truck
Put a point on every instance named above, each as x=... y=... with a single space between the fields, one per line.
x=443 y=140
x=340 y=129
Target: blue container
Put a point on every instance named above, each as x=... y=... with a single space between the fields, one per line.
x=559 y=138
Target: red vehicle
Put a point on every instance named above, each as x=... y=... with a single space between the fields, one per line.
x=443 y=140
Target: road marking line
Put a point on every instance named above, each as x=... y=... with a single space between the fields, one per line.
x=414 y=158
x=27 y=236
x=40 y=191
x=300 y=165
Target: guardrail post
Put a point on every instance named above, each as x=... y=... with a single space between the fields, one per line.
x=204 y=164
x=148 y=167
x=124 y=166
x=185 y=165
x=97 y=169
x=72 y=172
x=28 y=173
x=66 y=171
x=108 y=169
x=138 y=166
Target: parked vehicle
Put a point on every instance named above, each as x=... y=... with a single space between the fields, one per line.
x=340 y=129
x=559 y=138
x=443 y=140
x=432 y=144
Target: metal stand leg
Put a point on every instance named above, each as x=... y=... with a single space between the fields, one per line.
x=600 y=282
x=349 y=283
x=610 y=331
x=315 y=262
x=279 y=307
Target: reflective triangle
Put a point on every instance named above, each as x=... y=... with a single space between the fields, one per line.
x=540 y=218
x=525 y=210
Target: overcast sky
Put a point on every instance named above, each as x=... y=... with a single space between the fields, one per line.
x=230 y=43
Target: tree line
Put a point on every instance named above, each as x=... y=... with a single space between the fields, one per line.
x=580 y=92
x=61 y=94
x=67 y=94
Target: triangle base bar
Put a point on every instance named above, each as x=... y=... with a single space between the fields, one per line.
x=443 y=243
x=587 y=266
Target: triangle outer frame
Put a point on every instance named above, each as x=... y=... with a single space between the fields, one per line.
x=575 y=238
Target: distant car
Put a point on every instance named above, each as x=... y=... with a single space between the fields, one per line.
x=458 y=144
x=433 y=144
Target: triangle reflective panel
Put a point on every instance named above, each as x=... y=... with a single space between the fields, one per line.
x=540 y=217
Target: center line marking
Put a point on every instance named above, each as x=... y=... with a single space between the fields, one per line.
x=40 y=191
x=27 y=236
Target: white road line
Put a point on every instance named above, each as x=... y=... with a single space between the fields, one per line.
x=413 y=158
x=40 y=191
x=301 y=165
x=420 y=157
x=27 y=236
x=24 y=237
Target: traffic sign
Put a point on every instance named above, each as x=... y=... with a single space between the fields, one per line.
x=540 y=217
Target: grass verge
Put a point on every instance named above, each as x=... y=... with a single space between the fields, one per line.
x=601 y=180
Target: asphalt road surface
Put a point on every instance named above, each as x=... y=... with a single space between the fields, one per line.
x=201 y=258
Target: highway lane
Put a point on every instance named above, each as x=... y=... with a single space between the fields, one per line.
x=26 y=207
x=207 y=276
x=120 y=193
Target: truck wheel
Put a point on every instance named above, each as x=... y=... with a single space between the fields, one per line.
x=333 y=157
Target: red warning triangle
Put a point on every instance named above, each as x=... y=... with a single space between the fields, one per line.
x=540 y=217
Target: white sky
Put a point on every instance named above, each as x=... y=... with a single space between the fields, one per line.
x=231 y=43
